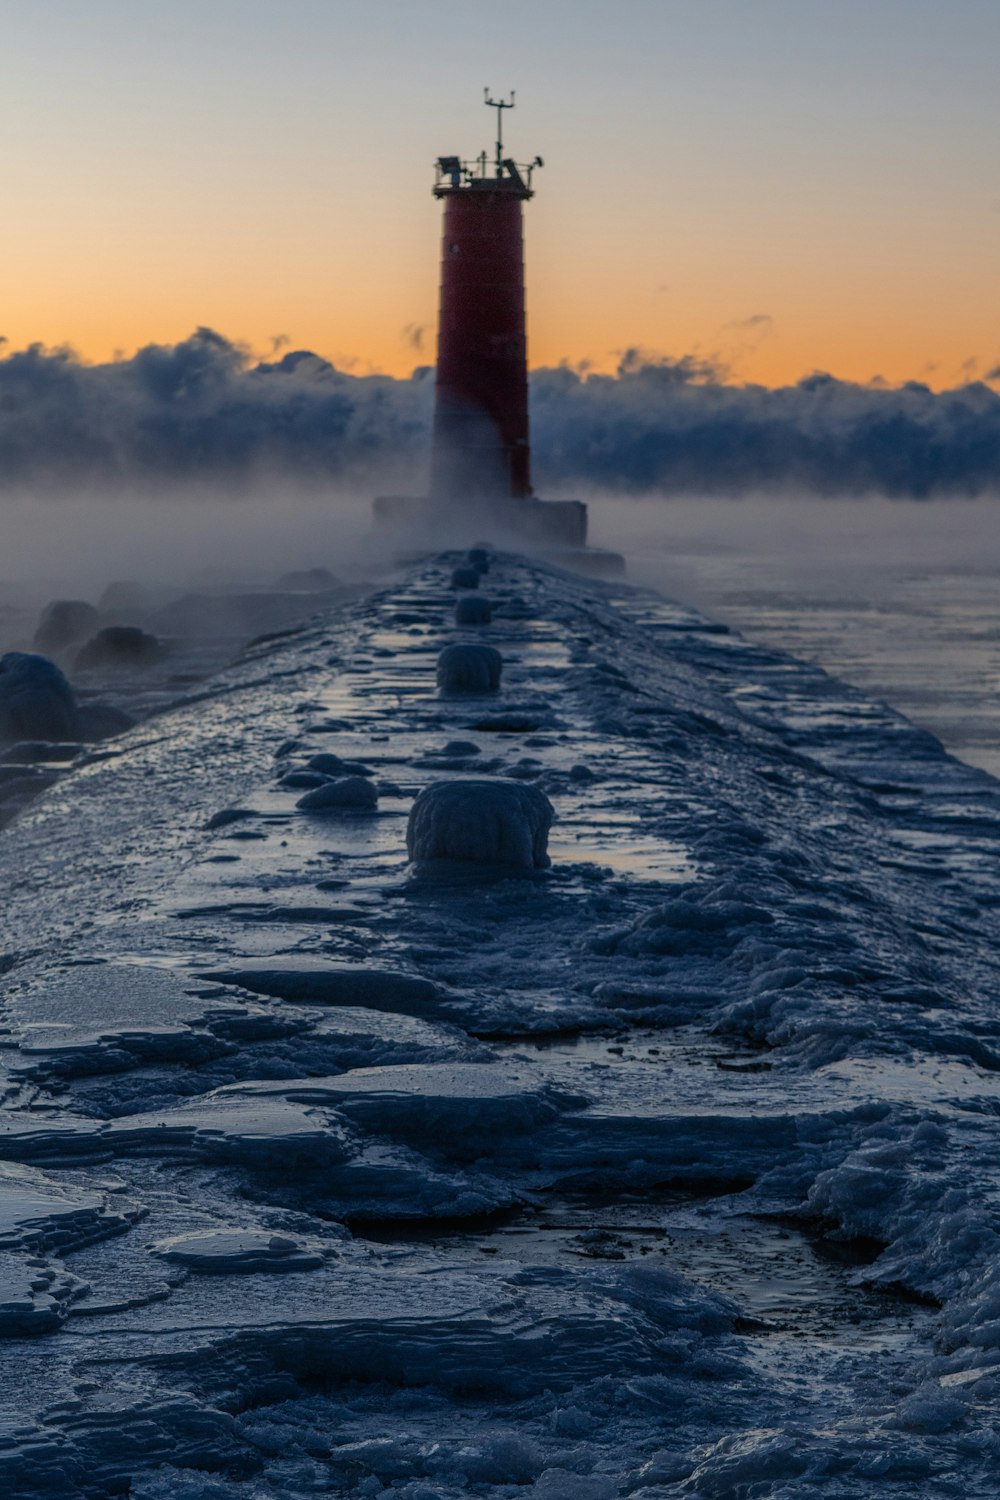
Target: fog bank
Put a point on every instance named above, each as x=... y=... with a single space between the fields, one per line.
x=205 y=411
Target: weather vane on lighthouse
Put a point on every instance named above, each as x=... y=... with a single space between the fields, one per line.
x=499 y=105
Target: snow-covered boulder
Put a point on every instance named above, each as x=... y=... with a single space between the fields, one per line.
x=335 y=765
x=481 y=822
x=119 y=646
x=349 y=792
x=469 y=668
x=36 y=701
x=64 y=621
x=473 y=609
x=465 y=577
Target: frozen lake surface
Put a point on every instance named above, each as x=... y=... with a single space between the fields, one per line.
x=670 y=1170
x=900 y=597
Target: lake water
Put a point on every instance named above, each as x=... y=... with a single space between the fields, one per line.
x=900 y=598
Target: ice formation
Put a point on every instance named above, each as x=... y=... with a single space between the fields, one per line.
x=36 y=701
x=465 y=577
x=468 y=667
x=473 y=609
x=674 y=1173
x=481 y=823
x=63 y=622
x=345 y=792
x=119 y=646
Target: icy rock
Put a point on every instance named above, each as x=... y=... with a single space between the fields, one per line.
x=436 y=1103
x=515 y=721
x=473 y=609
x=119 y=646
x=263 y=1134
x=64 y=621
x=299 y=780
x=469 y=668
x=465 y=578
x=41 y=1215
x=34 y=1299
x=455 y=756
x=333 y=765
x=107 y=1018
x=226 y=1251
x=481 y=822
x=229 y=815
x=349 y=792
x=313 y=982
x=36 y=701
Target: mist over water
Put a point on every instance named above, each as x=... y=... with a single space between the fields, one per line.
x=901 y=598
x=898 y=596
x=182 y=538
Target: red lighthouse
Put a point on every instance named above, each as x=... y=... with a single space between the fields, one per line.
x=481 y=448
x=481 y=455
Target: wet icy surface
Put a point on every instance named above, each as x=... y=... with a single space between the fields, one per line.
x=671 y=1169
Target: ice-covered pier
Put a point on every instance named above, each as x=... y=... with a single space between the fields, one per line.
x=650 y=1153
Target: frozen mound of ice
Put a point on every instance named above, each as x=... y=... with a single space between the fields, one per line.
x=469 y=668
x=34 y=1298
x=64 y=621
x=36 y=701
x=456 y=755
x=302 y=781
x=481 y=822
x=264 y=1134
x=334 y=765
x=473 y=609
x=348 y=792
x=41 y=1215
x=109 y=1018
x=437 y=1103
x=515 y=720
x=119 y=646
x=225 y=1251
x=465 y=577
x=311 y=981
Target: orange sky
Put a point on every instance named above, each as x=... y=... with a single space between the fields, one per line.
x=779 y=186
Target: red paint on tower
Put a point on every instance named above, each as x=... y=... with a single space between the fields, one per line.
x=481 y=458
x=481 y=447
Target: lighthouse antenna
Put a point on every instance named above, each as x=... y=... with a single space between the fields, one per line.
x=499 y=105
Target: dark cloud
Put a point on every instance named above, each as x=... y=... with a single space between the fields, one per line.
x=756 y=323
x=201 y=409
x=206 y=410
x=672 y=425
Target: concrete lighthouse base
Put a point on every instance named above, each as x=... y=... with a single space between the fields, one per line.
x=555 y=530
x=537 y=523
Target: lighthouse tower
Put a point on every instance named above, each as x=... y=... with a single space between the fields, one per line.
x=481 y=448
x=480 y=482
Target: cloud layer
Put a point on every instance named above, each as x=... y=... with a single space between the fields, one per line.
x=205 y=410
